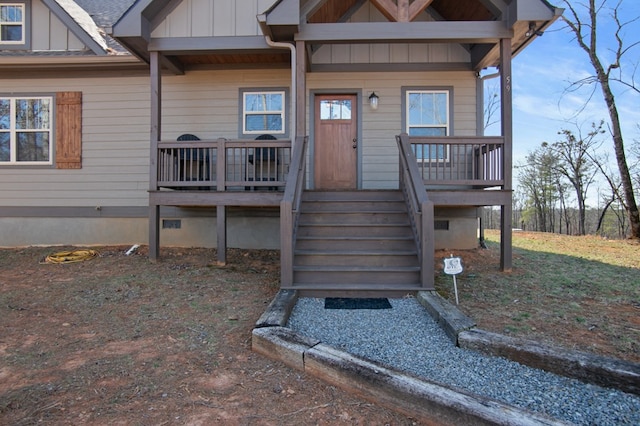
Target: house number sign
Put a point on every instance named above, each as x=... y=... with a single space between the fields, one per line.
x=453 y=266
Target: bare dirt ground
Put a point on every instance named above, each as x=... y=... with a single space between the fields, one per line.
x=120 y=340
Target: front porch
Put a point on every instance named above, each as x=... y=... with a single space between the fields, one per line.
x=224 y=173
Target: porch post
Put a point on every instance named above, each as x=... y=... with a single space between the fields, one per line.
x=221 y=209
x=506 y=85
x=301 y=90
x=156 y=126
x=221 y=233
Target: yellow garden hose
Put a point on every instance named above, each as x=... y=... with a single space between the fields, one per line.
x=71 y=256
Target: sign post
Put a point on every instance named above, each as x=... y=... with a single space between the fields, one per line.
x=453 y=266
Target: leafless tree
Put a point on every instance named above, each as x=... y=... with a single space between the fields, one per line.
x=539 y=179
x=582 y=19
x=576 y=165
x=491 y=105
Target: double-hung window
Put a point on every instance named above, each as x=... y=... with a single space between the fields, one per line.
x=263 y=111
x=26 y=130
x=427 y=114
x=12 y=24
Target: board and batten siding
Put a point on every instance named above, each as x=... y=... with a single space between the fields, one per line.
x=388 y=53
x=209 y=18
x=48 y=33
x=378 y=147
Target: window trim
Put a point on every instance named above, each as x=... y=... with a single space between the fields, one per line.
x=13 y=131
x=448 y=90
x=242 y=113
x=25 y=43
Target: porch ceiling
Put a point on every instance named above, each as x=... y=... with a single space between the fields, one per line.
x=333 y=11
x=195 y=61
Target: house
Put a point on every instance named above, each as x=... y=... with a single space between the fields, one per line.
x=347 y=133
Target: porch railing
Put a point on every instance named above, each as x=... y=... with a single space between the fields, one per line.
x=290 y=209
x=464 y=161
x=223 y=164
x=420 y=209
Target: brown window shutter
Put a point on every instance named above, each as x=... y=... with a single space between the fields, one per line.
x=69 y=130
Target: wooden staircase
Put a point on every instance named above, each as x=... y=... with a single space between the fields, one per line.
x=355 y=243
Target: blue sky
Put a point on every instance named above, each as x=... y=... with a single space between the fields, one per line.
x=543 y=72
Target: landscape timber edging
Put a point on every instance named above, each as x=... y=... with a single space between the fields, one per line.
x=428 y=402
x=599 y=370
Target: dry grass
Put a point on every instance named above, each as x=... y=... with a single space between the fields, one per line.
x=580 y=292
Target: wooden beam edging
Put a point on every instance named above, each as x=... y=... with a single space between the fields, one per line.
x=452 y=321
x=278 y=312
x=428 y=402
x=602 y=371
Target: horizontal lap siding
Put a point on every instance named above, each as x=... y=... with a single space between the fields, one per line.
x=115 y=153
x=116 y=128
x=206 y=103
x=115 y=133
x=379 y=150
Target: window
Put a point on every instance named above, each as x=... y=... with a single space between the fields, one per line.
x=337 y=109
x=263 y=112
x=12 y=23
x=427 y=114
x=41 y=130
x=25 y=130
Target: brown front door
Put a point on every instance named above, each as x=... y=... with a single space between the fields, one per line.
x=336 y=142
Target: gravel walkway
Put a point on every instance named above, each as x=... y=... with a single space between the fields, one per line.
x=407 y=338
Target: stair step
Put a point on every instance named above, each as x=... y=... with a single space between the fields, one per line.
x=370 y=195
x=356 y=258
x=350 y=274
x=353 y=207
x=349 y=218
x=355 y=243
x=333 y=287
x=354 y=230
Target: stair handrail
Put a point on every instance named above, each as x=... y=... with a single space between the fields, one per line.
x=290 y=208
x=420 y=209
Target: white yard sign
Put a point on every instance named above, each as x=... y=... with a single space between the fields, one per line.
x=453 y=266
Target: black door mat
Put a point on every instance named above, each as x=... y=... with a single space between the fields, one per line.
x=356 y=303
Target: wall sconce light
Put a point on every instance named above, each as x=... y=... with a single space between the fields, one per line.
x=373 y=100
